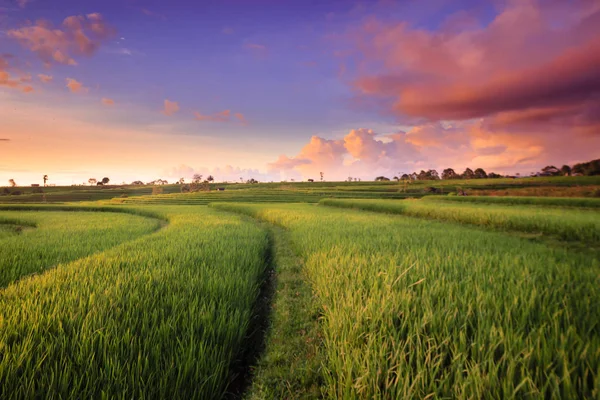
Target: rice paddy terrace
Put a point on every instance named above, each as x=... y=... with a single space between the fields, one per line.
x=326 y=290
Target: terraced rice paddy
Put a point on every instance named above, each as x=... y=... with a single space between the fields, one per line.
x=163 y=297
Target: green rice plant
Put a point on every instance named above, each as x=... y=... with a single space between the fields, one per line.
x=58 y=237
x=413 y=308
x=581 y=202
x=575 y=225
x=163 y=316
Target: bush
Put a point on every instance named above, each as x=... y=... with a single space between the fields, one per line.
x=16 y=193
x=38 y=190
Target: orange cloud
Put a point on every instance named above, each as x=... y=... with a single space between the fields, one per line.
x=7 y=80
x=79 y=36
x=45 y=78
x=171 y=107
x=108 y=102
x=76 y=86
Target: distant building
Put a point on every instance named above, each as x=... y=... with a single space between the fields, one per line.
x=35 y=185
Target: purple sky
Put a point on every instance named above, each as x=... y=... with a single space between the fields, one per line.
x=163 y=89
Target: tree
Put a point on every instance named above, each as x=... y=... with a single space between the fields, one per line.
x=449 y=173
x=566 y=170
x=92 y=181
x=12 y=183
x=310 y=180
x=45 y=179
x=588 y=168
x=396 y=179
x=382 y=179
x=322 y=174
x=405 y=177
x=210 y=178
x=137 y=183
x=105 y=181
x=480 y=173
x=181 y=181
x=493 y=175
x=551 y=170
x=468 y=174
x=197 y=178
x=433 y=174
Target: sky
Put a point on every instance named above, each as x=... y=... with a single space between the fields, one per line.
x=278 y=90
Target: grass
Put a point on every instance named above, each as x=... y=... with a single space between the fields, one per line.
x=413 y=308
x=60 y=237
x=578 y=202
x=574 y=225
x=163 y=316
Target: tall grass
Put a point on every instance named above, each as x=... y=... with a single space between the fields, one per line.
x=574 y=225
x=162 y=316
x=413 y=308
x=580 y=202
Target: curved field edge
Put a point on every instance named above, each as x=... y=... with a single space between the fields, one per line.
x=62 y=236
x=577 y=202
x=413 y=308
x=162 y=316
x=574 y=225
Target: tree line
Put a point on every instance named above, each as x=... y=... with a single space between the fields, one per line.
x=589 y=168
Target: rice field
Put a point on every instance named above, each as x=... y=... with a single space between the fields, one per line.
x=577 y=202
x=571 y=224
x=164 y=315
x=301 y=292
x=413 y=308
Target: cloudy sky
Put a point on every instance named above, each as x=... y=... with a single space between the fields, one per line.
x=271 y=89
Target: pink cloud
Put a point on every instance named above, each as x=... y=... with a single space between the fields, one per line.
x=363 y=153
x=78 y=36
x=532 y=56
x=108 y=102
x=170 y=107
x=45 y=78
x=76 y=86
x=9 y=81
x=223 y=116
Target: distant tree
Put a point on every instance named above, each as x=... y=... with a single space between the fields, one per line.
x=396 y=179
x=551 y=170
x=566 y=170
x=422 y=176
x=137 y=183
x=181 y=181
x=349 y=179
x=251 y=180
x=480 y=173
x=493 y=175
x=92 y=181
x=382 y=179
x=105 y=181
x=468 y=174
x=210 y=178
x=241 y=179
x=12 y=183
x=414 y=176
x=45 y=179
x=5 y=191
x=589 y=168
x=99 y=184
x=433 y=174
x=449 y=173
x=405 y=177
x=322 y=175
x=310 y=180
x=197 y=178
